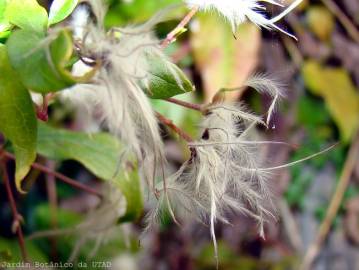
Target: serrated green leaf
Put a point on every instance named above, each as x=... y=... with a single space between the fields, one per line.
x=340 y=95
x=97 y=152
x=38 y=70
x=165 y=79
x=61 y=9
x=17 y=117
x=27 y=14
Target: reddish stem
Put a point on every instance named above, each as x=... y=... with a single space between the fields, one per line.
x=17 y=217
x=42 y=111
x=175 y=128
x=172 y=35
x=185 y=104
x=59 y=176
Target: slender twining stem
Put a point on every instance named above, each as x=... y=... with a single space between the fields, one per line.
x=172 y=35
x=314 y=248
x=59 y=176
x=192 y=106
x=171 y=125
x=17 y=219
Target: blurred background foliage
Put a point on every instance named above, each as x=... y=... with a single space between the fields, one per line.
x=321 y=77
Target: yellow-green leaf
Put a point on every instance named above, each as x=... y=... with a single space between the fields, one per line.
x=17 y=117
x=4 y=23
x=339 y=93
x=27 y=14
x=3 y=4
x=321 y=22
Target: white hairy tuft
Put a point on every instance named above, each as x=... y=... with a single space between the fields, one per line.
x=237 y=12
x=221 y=176
x=116 y=94
x=265 y=84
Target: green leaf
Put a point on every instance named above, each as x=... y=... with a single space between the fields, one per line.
x=5 y=26
x=312 y=112
x=12 y=252
x=65 y=218
x=17 y=117
x=121 y=12
x=40 y=68
x=130 y=186
x=340 y=95
x=27 y=14
x=97 y=152
x=165 y=79
x=3 y=4
x=4 y=34
x=60 y=9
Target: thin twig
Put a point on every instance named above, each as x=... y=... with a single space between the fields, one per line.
x=172 y=35
x=16 y=227
x=192 y=106
x=175 y=128
x=59 y=176
x=350 y=164
x=344 y=20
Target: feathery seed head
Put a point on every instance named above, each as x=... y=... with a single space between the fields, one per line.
x=116 y=93
x=221 y=176
x=237 y=12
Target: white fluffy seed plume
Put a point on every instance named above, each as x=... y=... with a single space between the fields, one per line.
x=115 y=95
x=237 y=12
x=215 y=180
x=225 y=172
